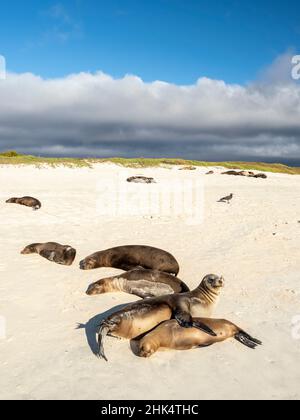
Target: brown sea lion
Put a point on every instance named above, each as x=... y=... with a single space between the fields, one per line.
x=140 y=317
x=132 y=256
x=262 y=176
x=234 y=173
x=140 y=282
x=188 y=168
x=52 y=251
x=26 y=201
x=141 y=180
x=170 y=335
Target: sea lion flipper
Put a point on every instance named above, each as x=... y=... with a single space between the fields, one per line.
x=201 y=326
x=48 y=254
x=185 y=320
x=102 y=333
x=247 y=340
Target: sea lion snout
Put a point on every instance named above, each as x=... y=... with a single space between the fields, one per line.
x=95 y=289
x=26 y=251
x=220 y=282
x=88 y=264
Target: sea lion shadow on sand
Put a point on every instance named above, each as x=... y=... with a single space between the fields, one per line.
x=92 y=326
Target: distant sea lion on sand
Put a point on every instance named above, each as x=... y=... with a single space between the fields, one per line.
x=210 y=173
x=170 y=335
x=141 y=317
x=132 y=256
x=141 y=180
x=262 y=176
x=52 y=251
x=188 y=168
x=140 y=282
x=26 y=201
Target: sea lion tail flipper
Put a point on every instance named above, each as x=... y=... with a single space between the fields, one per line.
x=247 y=340
x=102 y=333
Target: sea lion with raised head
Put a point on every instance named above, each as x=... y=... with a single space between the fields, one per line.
x=170 y=335
x=132 y=256
x=52 y=251
x=140 y=282
x=141 y=317
x=26 y=201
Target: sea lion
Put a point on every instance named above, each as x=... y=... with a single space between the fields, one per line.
x=262 y=176
x=141 y=180
x=226 y=199
x=132 y=256
x=234 y=173
x=188 y=168
x=210 y=173
x=140 y=282
x=140 y=317
x=170 y=335
x=26 y=201
x=52 y=251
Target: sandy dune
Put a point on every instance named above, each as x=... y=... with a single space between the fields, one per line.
x=254 y=243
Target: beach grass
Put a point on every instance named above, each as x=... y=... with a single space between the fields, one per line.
x=13 y=158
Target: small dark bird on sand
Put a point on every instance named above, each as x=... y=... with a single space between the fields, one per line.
x=226 y=199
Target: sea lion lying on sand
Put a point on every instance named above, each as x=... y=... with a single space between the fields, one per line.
x=26 y=201
x=170 y=335
x=141 y=180
x=52 y=251
x=132 y=256
x=141 y=317
x=139 y=282
x=188 y=168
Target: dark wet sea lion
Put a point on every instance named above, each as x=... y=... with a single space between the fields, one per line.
x=141 y=180
x=141 y=317
x=234 y=173
x=132 y=256
x=140 y=282
x=52 y=251
x=170 y=335
x=26 y=201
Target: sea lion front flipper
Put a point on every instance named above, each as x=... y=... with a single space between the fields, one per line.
x=49 y=255
x=103 y=331
x=185 y=320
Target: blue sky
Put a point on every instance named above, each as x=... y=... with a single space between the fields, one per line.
x=208 y=80
x=173 y=40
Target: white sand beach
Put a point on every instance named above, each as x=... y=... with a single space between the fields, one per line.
x=48 y=323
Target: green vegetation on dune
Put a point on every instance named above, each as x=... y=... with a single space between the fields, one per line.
x=13 y=158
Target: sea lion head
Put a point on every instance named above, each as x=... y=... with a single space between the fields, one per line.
x=11 y=200
x=88 y=263
x=213 y=282
x=95 y=289
x=30 y=249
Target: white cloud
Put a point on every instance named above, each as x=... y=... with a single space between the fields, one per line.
x=86 y=114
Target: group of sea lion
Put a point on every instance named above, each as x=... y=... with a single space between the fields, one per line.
x=170 y=316
x=248 y=174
